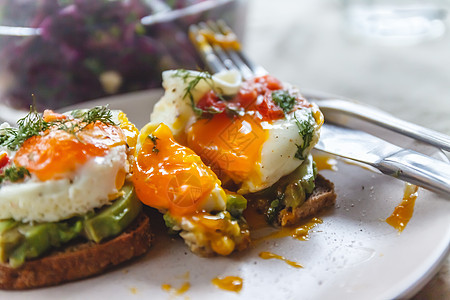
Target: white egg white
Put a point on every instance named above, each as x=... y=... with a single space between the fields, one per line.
x=91 y=186
x=278 y=151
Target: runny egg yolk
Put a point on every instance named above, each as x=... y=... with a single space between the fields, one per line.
x=231 y=146
x=169 y=176
x=56 y=152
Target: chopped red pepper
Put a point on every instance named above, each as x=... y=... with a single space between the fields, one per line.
x=211 y=103
x=4 y=159
x=254 y=95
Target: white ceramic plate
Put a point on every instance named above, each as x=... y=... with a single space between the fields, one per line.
x=353 y=254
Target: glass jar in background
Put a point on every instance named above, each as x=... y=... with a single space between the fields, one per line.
x=396 y=22
x=60 y=52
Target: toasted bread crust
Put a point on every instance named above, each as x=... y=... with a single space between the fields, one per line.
x=322 y=197
x=79 y=260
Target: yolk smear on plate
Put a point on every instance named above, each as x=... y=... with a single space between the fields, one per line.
x=270 y=255
x=404 y=211
x=300 y=233
x=229 y=283
x=180 y=291
x=325 y=162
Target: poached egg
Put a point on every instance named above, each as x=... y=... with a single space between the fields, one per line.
x=73 y=167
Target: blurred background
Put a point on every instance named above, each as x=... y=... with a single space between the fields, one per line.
x=391 y=54
x=394 y=54
x=60 y=52
x=312 y=44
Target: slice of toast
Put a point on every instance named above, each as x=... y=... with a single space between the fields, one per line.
x=79 y=260
x=322 y=197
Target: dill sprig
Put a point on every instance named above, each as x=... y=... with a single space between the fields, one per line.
x=30 y=125
x=98 y=113
x=192 y=81
x=33 y=124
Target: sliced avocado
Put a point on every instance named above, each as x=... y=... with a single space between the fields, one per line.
x=7 y=224
x=9 y=238
x=299 y=183
x=294 y=195
x=33 y=240
x=113 y=219
x=19 y=241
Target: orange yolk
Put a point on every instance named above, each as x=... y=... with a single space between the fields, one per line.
x=169 y=176
x=50 y=116
x=231 y=146
x=56 y=153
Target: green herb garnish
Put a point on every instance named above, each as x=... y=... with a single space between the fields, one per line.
x=305 y=130
x=192 y=81
x=33 y=124
x=154 y=139
x=274 y=209
x=30 y=125
x=13 y=174
x=98 y=113
x=284 y=100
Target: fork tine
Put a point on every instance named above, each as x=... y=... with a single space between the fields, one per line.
x=228 y=53
x=217 y=49
x=213 y=63
x=239 y=55
x=218 y=55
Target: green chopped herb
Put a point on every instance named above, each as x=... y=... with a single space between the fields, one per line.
x=306 y=131
x=274 y=209
x=284 y=100
x=13 y=174
x=154 y=139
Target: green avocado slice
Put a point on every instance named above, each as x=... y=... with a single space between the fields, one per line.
x=300 y=183
x=113 y=219
x=26 y=241
x=19 y=241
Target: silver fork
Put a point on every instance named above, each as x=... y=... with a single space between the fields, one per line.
x=220 y=56
x=220 y=50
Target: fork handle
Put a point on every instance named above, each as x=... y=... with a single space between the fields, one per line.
x=382 y=119
x=418 y=169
